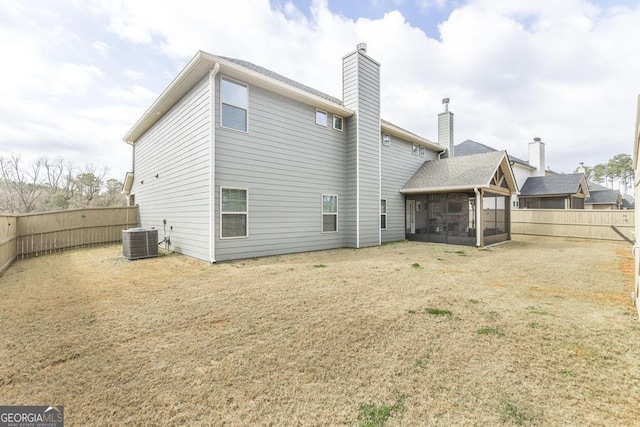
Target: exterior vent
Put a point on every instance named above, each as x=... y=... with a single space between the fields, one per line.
x=139 y=243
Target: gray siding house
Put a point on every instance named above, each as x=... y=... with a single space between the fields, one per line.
x=235 y=161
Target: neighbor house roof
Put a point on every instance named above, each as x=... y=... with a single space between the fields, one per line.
x=460 y=173
x=470 y=147
x=628 y=201
x=553 y=185
x=604 y=197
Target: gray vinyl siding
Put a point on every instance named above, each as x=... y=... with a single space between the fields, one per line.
x=398 y=165
x=287 y=163
x=176 y=149
x=361 y=81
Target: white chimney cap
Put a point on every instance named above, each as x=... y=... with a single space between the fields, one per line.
x=537 y=139
x=361 y=47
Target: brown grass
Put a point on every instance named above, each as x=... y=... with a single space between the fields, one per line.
x=541 y=332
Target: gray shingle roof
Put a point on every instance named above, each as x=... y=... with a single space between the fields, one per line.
x=628 y=201
x=603 y=197
x=552 y=184
x=469 y=147
x=470 y=171
x=283 y=79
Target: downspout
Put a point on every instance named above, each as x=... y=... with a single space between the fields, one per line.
x=212 y=162
x=441 y=153
x=478 y=216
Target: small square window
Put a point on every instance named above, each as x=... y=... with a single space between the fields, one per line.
x=337 y=122
x=415 y=149
x=422 y=151
x=321 y=117
x=386 y=139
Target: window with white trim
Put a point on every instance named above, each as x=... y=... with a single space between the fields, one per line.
x=337 y=123
x=321 y=117
x=386 y=139
x=329 y=213
x=234 y=104
x=234 y=213
x=416 y=149
x=422 y=151
x=383 y=214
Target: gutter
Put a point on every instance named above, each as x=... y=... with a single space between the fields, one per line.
x=212 y=161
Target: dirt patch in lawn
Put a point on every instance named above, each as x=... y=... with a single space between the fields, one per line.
x=539 y=331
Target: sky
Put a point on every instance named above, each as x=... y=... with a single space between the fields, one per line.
x=77 y=74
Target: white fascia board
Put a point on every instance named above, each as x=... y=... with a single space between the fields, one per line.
x=198 y=67
x=457 y=188
x=392 y=129
x=128 y=183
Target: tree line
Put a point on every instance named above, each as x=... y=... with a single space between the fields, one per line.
x=618 y=168
x=54 y=184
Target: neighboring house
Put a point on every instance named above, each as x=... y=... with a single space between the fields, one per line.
x=628 y=202
x=539 y=187
x=236 y=161
x=554 y=192
x=602 y=198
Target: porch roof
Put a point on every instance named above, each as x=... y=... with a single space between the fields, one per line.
x=463 y=173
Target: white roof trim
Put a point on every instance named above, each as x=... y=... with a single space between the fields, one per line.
x=198 y=67
x=392 y=129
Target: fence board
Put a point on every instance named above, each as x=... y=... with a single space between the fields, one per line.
x=586 y=224
x=8 y=236
x=43 y=233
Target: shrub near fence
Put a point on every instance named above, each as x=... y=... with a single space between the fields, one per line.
x=41 y=233
x=586 y=224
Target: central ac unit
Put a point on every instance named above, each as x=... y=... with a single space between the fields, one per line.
x=139 y=243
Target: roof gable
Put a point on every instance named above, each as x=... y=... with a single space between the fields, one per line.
x=486 y=170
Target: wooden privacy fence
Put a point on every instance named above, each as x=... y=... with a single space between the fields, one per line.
x=587 y=224
x=41 y=233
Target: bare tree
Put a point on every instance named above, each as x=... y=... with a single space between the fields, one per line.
x=23 y=186
x=89 y=183
x=60 y=183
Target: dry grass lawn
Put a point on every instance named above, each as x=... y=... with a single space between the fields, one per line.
x=539 y=331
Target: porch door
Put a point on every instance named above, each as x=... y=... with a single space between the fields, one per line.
x=410 y=217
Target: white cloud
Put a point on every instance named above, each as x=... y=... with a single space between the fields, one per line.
x=565 y=71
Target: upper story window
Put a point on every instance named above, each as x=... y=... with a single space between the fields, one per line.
x=386 y=139
x=234 y=97
x=422 y=151
x=337 y=122
x=321 y=117
x=415 y=149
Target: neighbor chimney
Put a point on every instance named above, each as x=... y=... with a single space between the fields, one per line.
x=537 y=156
x=445 y=128
x=582 y=169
